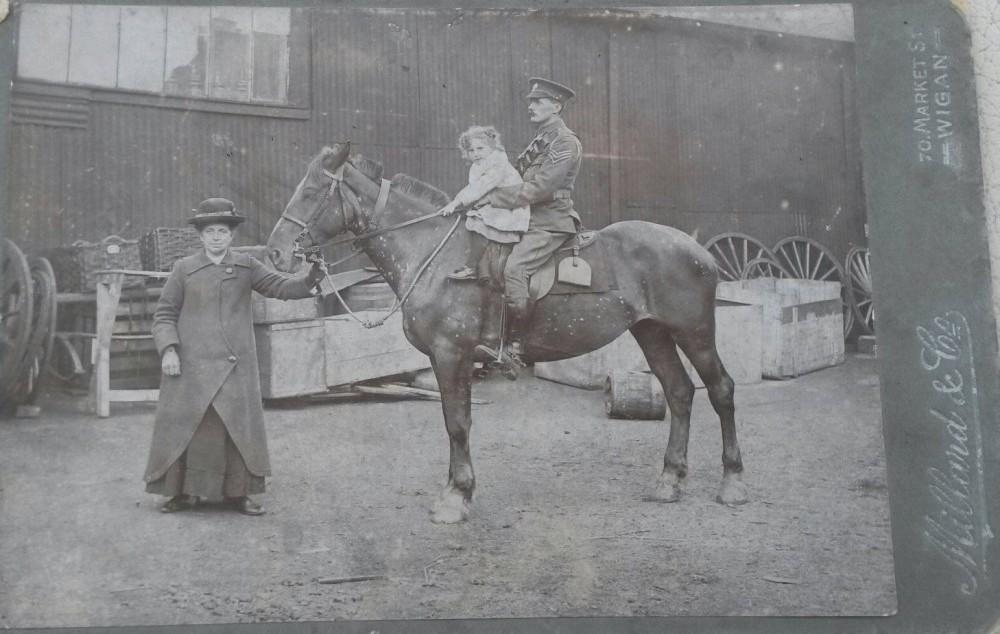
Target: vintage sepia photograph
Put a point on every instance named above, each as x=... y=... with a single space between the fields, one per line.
x=342 y=313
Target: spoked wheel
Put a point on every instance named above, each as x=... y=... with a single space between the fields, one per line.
x=43 y=331
x=859 y=281
x=763 y=267
x=806 y=259
x=16 y=313
x=734 y=252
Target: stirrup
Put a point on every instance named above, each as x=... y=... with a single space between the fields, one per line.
x=506 y=362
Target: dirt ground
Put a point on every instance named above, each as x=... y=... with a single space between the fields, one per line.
x=559 y=525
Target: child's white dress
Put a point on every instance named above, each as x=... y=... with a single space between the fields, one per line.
x=498 y=225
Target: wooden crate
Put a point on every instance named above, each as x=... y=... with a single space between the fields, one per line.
x=291 y=358
x=271 y=311
x=803 y=323
x=355 y=353
x=738 y=338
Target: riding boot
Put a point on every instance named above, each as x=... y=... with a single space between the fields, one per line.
x=518 y=313
x=490 y=329
x=492 y=351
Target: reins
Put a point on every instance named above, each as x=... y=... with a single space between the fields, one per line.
x=337 y=183
x=398 y=304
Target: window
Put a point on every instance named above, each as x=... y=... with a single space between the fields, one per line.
x=238 y=54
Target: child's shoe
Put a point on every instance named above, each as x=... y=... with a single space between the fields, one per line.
x=463 y=274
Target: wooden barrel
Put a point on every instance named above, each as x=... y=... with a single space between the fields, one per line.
x=370 y=296
x=634 y=395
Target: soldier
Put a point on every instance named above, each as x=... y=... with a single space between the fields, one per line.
x=549 y=166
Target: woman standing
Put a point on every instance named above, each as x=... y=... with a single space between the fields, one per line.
x=208 y=438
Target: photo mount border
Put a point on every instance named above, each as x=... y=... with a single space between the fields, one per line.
x=935 y=333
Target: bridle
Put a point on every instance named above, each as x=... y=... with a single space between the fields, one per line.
x=369 y=229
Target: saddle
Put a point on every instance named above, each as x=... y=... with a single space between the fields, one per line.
x=546 y=281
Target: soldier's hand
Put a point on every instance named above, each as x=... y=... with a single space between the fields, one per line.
x=171 y=362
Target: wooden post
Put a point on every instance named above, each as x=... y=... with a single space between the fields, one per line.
x=614 y=132
x=109 y=292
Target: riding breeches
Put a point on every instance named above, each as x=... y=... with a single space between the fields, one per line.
x=527 y=257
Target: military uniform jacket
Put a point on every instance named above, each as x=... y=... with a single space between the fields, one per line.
x=205 y=310
x=549 y=166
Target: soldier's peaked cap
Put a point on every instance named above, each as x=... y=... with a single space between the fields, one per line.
x=215 y=211
x=541 y=87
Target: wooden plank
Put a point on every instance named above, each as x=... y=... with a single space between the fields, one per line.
x=291 y=358
x=128 y=294
x=614 y=130
x=109 y=289
x=472 y=88
x=355 y=353
x=366 y=76
x=133 y=396
x=530 y=53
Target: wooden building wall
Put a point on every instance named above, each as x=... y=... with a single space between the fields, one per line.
x=706 y=127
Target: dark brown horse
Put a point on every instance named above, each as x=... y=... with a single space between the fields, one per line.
x=665 y=297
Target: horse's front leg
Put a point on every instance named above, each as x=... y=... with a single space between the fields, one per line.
x=453 y=367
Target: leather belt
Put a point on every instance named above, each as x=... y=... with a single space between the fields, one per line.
x=562 y=194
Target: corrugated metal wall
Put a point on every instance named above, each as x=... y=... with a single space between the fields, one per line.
x=705 y=127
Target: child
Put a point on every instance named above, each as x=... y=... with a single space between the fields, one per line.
x=490 y=169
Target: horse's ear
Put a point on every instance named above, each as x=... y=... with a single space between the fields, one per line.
x=333 y=157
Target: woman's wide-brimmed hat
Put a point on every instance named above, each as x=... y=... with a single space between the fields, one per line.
x=216 y=211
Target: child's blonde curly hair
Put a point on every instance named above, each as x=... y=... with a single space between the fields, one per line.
x=486 y=132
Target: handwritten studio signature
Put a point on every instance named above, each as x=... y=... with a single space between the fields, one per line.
x=956 y=525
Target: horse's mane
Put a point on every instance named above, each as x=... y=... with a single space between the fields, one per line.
x=367 y=166
x=420 y=190
x=401 y=182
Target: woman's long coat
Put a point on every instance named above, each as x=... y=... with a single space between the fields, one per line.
x=205 y=310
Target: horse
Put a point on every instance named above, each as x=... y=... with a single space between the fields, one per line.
x=665 y=297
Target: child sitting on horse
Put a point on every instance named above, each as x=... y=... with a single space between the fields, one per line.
x=490 y=168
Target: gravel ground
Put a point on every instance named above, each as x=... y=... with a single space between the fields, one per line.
x=558 y=525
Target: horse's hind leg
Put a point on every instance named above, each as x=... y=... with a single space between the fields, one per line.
x=700 y=350
x=661 y=353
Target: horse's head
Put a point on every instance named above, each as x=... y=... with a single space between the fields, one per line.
x=316 y=192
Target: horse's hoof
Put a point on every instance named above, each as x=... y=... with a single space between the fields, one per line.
x=450 y=510
x=732 y=492
x=668 y=490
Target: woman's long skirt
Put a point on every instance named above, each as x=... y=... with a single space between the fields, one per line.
x=211 y=467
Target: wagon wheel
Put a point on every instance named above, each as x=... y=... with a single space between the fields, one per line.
x=734 y=251
x=762 y=267
x=43 y=331
x=859 y=282
x=806 y=259
x=16 y=308
x=65 y=355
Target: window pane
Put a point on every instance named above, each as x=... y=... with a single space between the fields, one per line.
x=270 y=67
x=187 y=51
x=271 y=28
x=43 y=42
x=230 y=67
x=143 y=43
x=93 y=47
